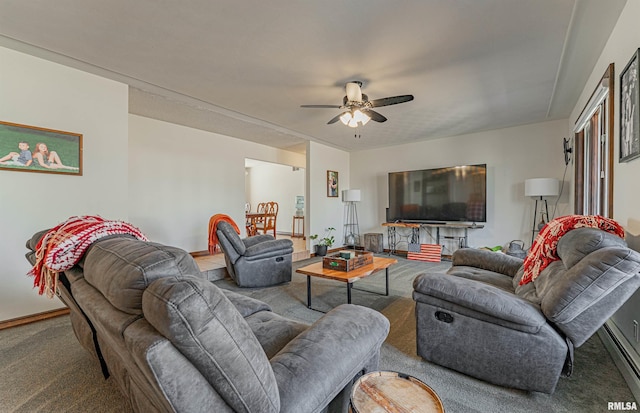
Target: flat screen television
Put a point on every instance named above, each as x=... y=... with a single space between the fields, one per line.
x=441 y=195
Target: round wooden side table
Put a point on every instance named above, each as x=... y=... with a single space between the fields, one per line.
x=392 y=392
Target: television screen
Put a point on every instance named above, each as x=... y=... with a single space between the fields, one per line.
x=453 y=194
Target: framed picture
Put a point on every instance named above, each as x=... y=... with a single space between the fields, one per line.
x=33 y=149
x=332 y=184
x=629 y=115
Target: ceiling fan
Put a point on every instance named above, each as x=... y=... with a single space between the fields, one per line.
x=357 y=108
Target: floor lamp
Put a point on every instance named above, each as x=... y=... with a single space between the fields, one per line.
x=539 y=188
x=351 y=229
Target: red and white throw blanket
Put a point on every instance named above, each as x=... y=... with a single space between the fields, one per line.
x=63 y=246
x=544 y=249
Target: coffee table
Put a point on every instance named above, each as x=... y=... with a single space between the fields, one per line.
x=349 y=277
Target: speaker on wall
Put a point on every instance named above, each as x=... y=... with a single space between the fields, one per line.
x=567 y=149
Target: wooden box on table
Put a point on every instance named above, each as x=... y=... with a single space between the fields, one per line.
x=337 y=262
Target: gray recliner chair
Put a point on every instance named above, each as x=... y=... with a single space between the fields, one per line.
x=174 y=342
x=478 y=320
x=258 y=261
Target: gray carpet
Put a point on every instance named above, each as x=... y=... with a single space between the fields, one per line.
x=44 y=369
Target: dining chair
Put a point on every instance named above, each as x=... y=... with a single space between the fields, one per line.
x=268 y=222
x=256 y=223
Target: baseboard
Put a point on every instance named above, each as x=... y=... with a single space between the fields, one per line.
x=623 y=357
x=199 y=253
x=33 y=318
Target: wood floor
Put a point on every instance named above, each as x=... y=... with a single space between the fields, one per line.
x=211 y=262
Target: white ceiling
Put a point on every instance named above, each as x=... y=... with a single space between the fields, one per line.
x=243 y=68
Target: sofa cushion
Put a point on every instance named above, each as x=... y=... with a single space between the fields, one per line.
x=489 y=302
x=536 y=290
x=517 y=277
x=487 y=260
x=202 y=323
x=580 y=242
x=121 y=268
x=274 y=331
x=489 y=277
x=246 y=306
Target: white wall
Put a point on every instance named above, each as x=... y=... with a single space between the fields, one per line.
x=279 y=183
x=179 y=177
x=324 y=211
x=40 y=93
x=512 y=155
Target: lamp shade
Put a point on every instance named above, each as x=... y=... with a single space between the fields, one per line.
x=351 y=195
x=541 y=187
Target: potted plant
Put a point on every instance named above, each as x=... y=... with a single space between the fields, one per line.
x=324 y=243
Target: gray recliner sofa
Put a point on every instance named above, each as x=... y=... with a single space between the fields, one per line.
x=478 y=320
x=258 y=261
x=174 y=342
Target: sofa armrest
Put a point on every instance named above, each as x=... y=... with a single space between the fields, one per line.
x=316 y=365
x=269 y=249
x=487 y=260
x=257 y=239
x=496 y=305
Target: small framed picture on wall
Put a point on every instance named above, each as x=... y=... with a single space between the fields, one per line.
x=332 y=184
x=629 y=106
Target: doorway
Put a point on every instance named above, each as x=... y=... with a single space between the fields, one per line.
x=284 y=184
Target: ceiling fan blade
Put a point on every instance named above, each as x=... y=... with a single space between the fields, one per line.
x=376 y=116
x=336 y=118
x=321 y=106
x=393 y=100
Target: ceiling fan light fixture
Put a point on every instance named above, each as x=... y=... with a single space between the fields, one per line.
x=355 y=118
x=361 y=117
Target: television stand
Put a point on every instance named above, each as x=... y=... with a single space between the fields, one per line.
x=463 y=239
x=411 y=221
x=393 y=235
x=414 y=236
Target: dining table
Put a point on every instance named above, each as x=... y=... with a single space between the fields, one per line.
x=253 y=218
